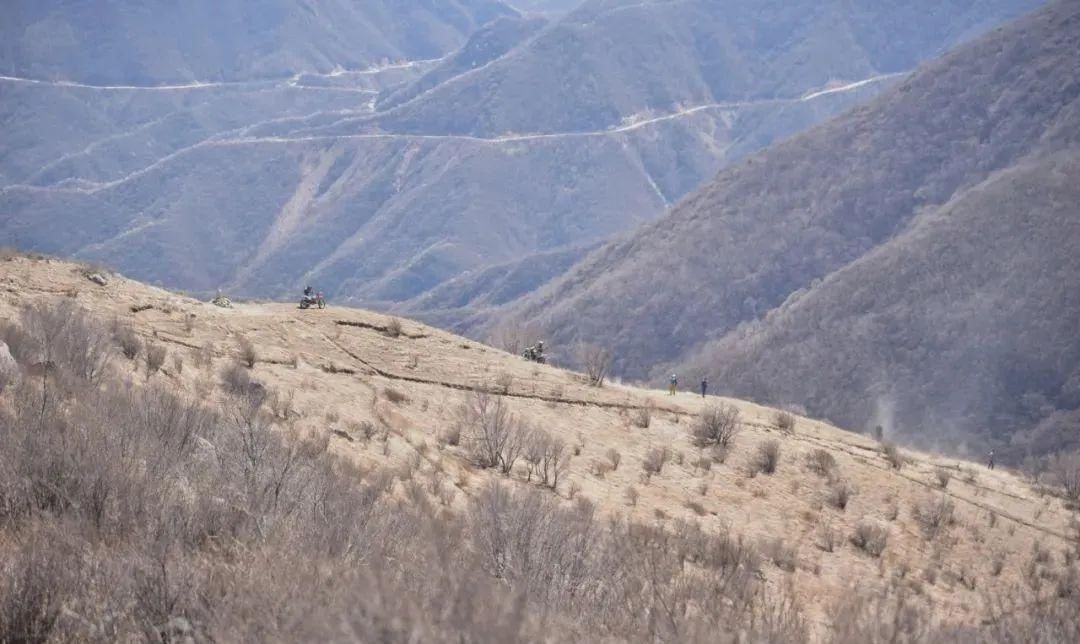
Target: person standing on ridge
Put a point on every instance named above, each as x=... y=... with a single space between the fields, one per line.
x=673 y=385
x=990 y=460
x=704 y=386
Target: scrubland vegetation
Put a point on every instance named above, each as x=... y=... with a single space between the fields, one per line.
x=131 y=511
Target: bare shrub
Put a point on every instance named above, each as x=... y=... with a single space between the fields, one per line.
x=839 y=494
x=1065 y=472
x=178 y=363
x=494 y=436
x=514 y=337
x=871 y=538
x=395 y=396
x=717 y=425
x=572 y=490
x=596 y=361
x=783 y=556
x=767 y=457
x=248 y=355
x=889 y=615
x=631 y=495
x=822 y=463
x=943 y=477
x=695 y=507
x=155 y=358
x=643 y=415
x=394 y=328
x=893 y=456
x=654 y=460
x=504 y=382
x=997 y=563
x=614 y=457
x=828 y=538
x=785 y=422
x=236 y=379
x=934 y=515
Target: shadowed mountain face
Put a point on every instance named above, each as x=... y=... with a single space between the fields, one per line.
x=909 y=263
x=387 y=171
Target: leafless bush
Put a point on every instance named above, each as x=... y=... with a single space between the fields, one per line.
x=504 y=381
x=717 y=425
x=783 y=556
x=394 y=396
x=822 y=463
x=839 y=494
x=9 y=368
x=785 y=422
x=943 y=477
x=236 y=379
x=514 y=337
x=934 y=515
x=695 y=507
x=631 y=495
x=654 y=460
x=997 y=563
x=596 y=361
x=614 y=457
x=494 y=436
x=1065 y=471
x=155 y=359
x=893 y=456
x=178 y=363
x=394 y=328
x=248 y=355
x=871 y=538
x=767 y=457
x=828 y=538
x=891 y=615
x=643 y=415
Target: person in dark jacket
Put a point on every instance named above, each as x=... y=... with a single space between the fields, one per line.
x=704 y=386
x=673 y=384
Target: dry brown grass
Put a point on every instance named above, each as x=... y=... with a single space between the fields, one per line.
x=437 y=487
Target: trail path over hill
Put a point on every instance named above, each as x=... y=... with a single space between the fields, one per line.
x=635 y=122
x=292 y=80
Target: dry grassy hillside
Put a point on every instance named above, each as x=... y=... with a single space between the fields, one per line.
x=963 y=544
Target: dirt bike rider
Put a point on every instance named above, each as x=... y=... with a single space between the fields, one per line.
x=309 y=293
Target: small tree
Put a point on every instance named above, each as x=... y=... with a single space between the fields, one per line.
x=596 y=361
x=717 y=425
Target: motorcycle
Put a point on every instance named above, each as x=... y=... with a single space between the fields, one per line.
x=309 y=301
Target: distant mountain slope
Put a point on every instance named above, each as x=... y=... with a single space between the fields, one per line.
x=611 y=60
x=956 y=333
x=263 y=186
x=203 y=40
x=797 y=213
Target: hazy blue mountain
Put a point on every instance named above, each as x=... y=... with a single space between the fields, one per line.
x=910 y=261
x=477 y=140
